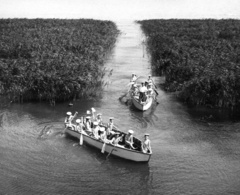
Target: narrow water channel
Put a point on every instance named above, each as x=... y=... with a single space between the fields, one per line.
x=190 y=155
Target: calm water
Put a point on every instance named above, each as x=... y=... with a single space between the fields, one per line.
x=192 y=155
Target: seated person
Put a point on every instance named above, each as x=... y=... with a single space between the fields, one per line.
x=79 y=126
x=116 y=139
x=99 y=119
x=96 y=129
x=129 y=139
x=88 y=124
x=69 y=118
x=103 y=136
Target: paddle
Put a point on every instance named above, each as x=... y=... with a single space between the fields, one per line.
x=103 y=147
x=81 y=135
x=81 y=139
x=110 y=152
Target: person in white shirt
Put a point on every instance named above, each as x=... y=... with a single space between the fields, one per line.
x=69 y=118
x=99 y=119
x=88 y=124
x=146 y=144
x=96 y=129
x=129 y=139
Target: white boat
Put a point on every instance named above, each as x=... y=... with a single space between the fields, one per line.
x=142 y=105
x=119 y=150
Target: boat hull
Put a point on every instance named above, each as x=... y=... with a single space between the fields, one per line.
x=121 y=152
x=144 y=106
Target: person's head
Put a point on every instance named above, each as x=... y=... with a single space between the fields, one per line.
x=111 y=119
x=102 y=129
x=95 y=124
x=142 y=83
x=69 y=114
x=146 y=83
x=146 y=135
x=78 y=121
x=149 y=76
x=99 y=115
x=130 y=132
x=88 y=118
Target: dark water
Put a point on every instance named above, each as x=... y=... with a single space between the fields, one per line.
x=193 y=152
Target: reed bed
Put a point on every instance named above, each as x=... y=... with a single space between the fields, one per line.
x=53 y=59
x=199 y=58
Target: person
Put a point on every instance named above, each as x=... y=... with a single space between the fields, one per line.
x=149 y=90
x=116 y=139
x=96 y=129
x=150 y=80
x=134 y=78
x=99 y=119
x=143 y=91
x=129 y=139
x=79 y=126
x=146 y=144
x=69 y=118
x=88 y=124
x=103 y=136
x=135 y=91
x=110 y=125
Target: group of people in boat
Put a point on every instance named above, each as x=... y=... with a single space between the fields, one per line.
x=145 y=90
x=92 y=125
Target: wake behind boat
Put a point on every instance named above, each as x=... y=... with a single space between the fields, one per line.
x=119 y=150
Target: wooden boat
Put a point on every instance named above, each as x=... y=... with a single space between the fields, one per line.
x=120 y=150
x=142 y=105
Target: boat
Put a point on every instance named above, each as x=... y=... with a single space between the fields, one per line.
x=142 y=105
x=120 y=150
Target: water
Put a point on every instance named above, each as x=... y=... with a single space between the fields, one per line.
x=192 y=152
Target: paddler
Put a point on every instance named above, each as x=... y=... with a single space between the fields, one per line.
x=69 y=118
x=96 y=129
x=88 y=124
x=129 y=139
x=146 y=144
x=134 y=78
x=99 y=118
x=79 y=126
x=110 y=125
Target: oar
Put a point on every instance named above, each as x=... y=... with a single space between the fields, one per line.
x=110 y=152
x=81 y=139
x=103 y=147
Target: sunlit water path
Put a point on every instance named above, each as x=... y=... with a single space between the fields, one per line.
x=191 y=155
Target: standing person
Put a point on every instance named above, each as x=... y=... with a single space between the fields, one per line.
x=134 y=78
x=69 y=118
x=146 y=144
x=129 y=139
x=150 y=80
x=109 y=127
